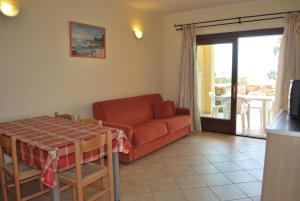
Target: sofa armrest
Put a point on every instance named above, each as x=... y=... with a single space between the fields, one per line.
x=183 y=111
x=128 y=130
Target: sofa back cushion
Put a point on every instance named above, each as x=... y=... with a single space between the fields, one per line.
x=129 y=111
x=164 y=109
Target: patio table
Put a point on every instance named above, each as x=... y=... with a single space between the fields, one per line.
x=264 y=100
x=47 y=143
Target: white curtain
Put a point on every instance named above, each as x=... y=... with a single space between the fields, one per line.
x=188 y=88
x=289 y=60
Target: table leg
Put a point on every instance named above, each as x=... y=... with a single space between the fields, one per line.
x=116 y=173
x=54 y=192
x=264 y=113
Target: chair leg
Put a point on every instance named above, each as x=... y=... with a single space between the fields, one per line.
x=41 y=185
x=261 y=116
x=111 y=186
x=243 y=121
x=17 y=189
x=248 y=118
x=214 y=112
x=3 y=186
x=79 y=193
x=74 y=194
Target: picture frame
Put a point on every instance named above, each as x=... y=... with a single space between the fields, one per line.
x=87 y=41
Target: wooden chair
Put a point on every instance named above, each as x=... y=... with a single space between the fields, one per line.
x=89 y=120
x=20 y=172
x=87 y=174
x=64 y=116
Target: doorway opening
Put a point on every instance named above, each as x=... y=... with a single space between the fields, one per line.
x=237 y=76
x=257 y=74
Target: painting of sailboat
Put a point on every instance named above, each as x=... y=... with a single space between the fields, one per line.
x=87 y=40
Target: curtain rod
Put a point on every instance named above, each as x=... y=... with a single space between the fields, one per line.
x=236 y=20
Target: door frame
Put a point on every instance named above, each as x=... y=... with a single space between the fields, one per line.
x=223 y=125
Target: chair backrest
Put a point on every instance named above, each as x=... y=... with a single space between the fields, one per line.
x=89 y=120
x=9 y=143
x=5 y=142
x=216 y=100
x=93 y=144
x=64 y=116
x=129 y=111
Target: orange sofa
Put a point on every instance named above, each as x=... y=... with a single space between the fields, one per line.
x=135 y=116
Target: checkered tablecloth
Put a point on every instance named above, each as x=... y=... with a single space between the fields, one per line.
x=47 y=143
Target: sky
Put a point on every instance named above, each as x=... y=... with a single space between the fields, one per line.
x=80 y=31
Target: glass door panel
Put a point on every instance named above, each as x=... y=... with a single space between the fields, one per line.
x=215 y=83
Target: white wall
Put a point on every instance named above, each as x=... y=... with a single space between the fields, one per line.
x=172 y=39
x=37 y=75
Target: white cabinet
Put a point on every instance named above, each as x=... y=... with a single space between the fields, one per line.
x=281 y=180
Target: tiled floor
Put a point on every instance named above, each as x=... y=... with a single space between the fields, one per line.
x=200 y=167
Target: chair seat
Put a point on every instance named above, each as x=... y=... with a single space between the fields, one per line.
x=89 y=171
x=25 y=171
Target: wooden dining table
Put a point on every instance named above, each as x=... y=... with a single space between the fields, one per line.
x=47 y=143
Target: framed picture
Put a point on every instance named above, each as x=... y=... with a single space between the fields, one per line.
x=87 y=40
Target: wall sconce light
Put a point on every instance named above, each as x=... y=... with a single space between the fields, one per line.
x=9 y=9
x=138 y=33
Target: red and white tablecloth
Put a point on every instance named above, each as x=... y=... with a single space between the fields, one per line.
x=47 y=143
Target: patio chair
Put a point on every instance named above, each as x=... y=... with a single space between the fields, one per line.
x=243 y=109
x=217 y=103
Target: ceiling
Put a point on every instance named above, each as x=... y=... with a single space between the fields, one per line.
x=175 y=6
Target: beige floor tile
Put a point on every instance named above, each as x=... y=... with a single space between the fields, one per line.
x=248 y=164
x=169 y=196
x=252 y=189
x=227 y=166
x=138 y=197
x=260 y=160
x=254 y=154
x=257 y=173
x=158 y=172
x=239 y=176
x=136 y=173
x=236 y=156
x=184 y=170
x=196 y=160
x=152 y=162
x=175 y=161
x=134 y=186
x=200 y=194
x=187 y=182
x=215 y=179
x=205 y=169
x=228 y=192
x=217 y=158
x=163 y=184
x=208 y=151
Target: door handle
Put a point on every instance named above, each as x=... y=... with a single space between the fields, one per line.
x=234 y=92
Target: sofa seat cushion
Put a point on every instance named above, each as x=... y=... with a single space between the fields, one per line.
x=148 y=131
x=175 y=123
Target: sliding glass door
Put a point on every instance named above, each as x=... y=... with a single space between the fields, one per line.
x=228 y=98
x=216 y=66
